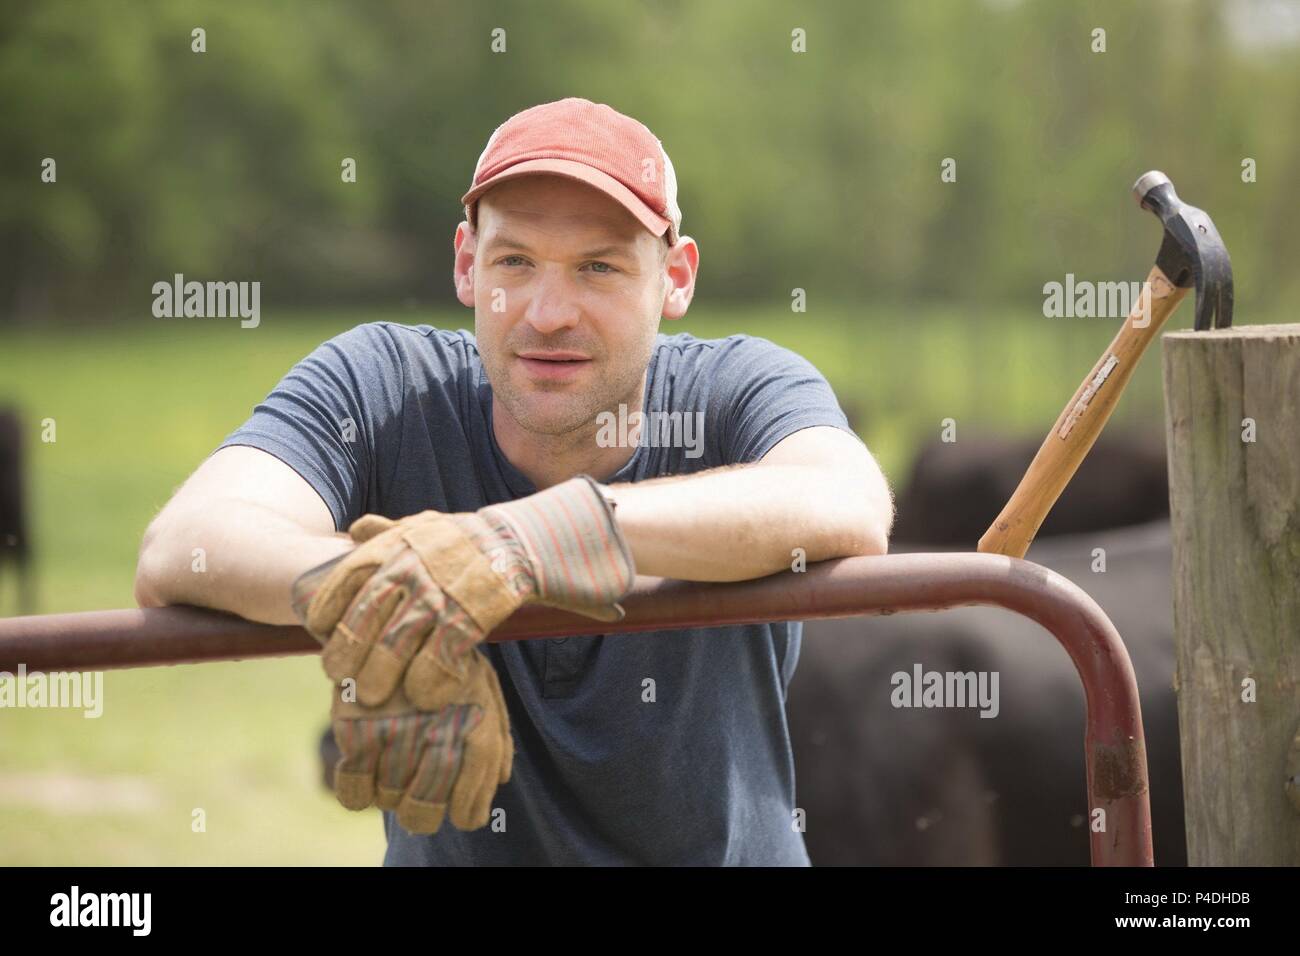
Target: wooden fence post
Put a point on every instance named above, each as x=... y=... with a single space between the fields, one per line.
x=1232 y=400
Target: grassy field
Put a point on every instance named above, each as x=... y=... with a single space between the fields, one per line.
x=136 y=406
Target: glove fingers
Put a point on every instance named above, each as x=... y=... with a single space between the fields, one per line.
x=355 y=791
x=321 y=596
x=432 y=684
x=444 y=662
x=326 y=600
x=428 y=767
x=353 y=775
x=471 y=797
x=408 y=625
x=429 y=683
x=354 y=636
x=487 y=753
x=368 y=526
x=502 y=723
x=307 y=584
x=399 y=741
x=425 y=801
x=372 y=525
x=418 y=816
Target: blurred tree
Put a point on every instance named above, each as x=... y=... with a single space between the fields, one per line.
x=816 y=169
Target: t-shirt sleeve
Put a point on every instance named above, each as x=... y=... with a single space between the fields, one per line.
x=329 y=413
x=760 y=393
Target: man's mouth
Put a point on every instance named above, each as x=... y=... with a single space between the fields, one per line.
x=555 y=365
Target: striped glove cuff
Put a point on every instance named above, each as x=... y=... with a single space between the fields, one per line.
x=580 y=560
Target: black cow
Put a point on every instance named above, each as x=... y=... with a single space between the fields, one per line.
x=956 y=490
x=893 y=786
x=883 y=785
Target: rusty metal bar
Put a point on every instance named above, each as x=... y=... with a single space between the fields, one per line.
x=1115 y=745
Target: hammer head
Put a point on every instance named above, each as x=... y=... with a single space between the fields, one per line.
x=1192 y=253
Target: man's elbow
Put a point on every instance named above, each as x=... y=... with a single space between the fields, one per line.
x=878 y=543
x=145 y=595
x=863 y=534
x=875 y=526
x=872 y=539
x=856 y=516
x=148 y=592
x=885 y=526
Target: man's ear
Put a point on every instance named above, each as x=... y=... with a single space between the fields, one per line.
x=465 y=243
x=681 y=268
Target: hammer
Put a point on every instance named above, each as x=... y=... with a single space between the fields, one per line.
x=1192 y=254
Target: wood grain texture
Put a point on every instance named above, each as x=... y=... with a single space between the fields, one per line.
x=1235 y=513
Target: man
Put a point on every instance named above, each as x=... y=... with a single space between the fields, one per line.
x=477 y=473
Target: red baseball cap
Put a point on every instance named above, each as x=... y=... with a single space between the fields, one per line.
x=592 y=143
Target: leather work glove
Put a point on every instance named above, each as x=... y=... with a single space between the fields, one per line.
x=425 y=765
x=410 y=604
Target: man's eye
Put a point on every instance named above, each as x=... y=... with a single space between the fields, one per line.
x=512 y=260
x=606 y=270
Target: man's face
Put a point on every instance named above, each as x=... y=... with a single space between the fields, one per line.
x=568 y=293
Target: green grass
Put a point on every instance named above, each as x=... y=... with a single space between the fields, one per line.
x=137 y=406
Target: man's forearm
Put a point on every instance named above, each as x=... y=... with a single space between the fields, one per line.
x=233 y=556
x=742 y=522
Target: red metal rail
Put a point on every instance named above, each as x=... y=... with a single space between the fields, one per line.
x=1115 y=745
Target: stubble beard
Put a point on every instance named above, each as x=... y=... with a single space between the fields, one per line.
x=565 y=412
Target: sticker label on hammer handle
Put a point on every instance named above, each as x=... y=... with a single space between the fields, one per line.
x=1086 y=398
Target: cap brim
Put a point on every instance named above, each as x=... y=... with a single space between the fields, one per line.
x=593 y=177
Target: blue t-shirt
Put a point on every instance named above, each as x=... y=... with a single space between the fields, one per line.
x=395 y=419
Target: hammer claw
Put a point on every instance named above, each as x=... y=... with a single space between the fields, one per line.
x=1214 y=294
x=1192 y=252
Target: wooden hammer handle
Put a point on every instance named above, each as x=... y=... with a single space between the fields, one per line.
x=1080 y=422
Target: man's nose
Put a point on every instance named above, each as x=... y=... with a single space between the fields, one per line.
x=551 y=304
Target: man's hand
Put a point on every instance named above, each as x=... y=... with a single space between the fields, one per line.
x=426 y=764
x=410 y=604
